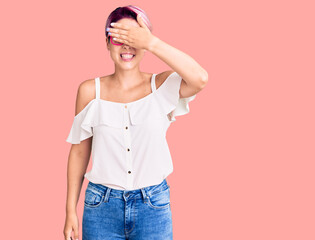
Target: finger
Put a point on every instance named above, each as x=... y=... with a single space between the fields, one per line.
x=119 y=31
x=76 y=233
x=68 y=235
x=119 y=39
x=120 y=25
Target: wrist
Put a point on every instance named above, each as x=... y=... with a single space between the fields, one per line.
x=70 y=212
x=71 y=209
x=153 y=43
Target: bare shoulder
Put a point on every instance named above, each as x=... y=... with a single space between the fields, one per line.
x=85 y=94
x=161 y=77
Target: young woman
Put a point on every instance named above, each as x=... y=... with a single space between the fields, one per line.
x=122 y=119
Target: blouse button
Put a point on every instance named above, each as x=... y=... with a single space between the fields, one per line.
x=125 y=106
x=128 y=149
x=129 y=172
x=126 y=127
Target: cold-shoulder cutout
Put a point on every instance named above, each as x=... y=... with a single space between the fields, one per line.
x=95 y=113
x=85 y=94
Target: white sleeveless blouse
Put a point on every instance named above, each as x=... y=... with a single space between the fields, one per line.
x=129 y=146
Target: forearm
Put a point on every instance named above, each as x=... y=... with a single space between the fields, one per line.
x=192 y=73
x=77 y=166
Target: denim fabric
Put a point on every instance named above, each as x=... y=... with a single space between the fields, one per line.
x=121 y=214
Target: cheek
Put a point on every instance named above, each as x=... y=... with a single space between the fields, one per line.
x=114 y=55
x=140 y=55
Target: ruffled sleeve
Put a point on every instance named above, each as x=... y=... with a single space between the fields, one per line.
x=170 y=99
x=181 y=108
x=82 y=126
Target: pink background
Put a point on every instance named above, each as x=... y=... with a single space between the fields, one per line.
x=244 y=155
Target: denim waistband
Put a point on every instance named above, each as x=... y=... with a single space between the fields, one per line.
x=144 y=193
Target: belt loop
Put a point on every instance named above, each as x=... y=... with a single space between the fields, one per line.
x=144 y=194
x=107 y=192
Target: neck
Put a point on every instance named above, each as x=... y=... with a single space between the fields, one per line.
x=127 y=79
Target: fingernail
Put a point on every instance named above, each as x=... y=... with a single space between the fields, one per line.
x=112 y=24
x=107 y=29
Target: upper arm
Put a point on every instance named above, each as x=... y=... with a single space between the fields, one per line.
x=185 y=90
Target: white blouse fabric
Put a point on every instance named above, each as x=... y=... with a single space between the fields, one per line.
x=129 y=146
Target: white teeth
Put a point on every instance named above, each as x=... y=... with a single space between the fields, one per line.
x=126 y=56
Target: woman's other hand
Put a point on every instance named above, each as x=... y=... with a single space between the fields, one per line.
x=71 y=224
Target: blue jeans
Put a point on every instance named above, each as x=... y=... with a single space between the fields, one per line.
x=139 y=214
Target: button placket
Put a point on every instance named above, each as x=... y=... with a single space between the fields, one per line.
x=127 y=137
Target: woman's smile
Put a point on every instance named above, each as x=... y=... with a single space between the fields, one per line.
x=127 y=57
